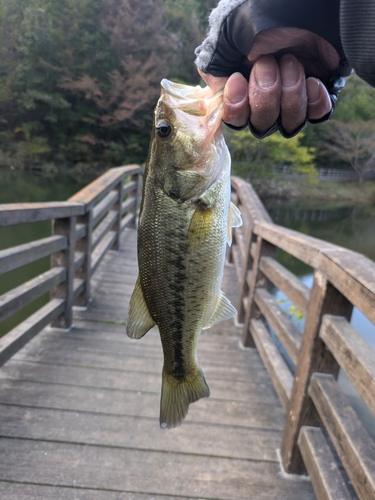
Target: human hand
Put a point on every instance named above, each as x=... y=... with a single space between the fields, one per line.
x=279 y=89
x=291 y=54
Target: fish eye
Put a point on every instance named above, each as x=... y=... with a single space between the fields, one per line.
x=164 y=129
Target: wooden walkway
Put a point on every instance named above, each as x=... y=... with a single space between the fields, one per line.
x=79 y=411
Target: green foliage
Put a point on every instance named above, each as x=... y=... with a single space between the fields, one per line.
x=272 y=151
x=79 y=79
x=356 y=103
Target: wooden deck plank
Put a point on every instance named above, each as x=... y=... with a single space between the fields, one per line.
x=140 y=364
x=79 y=411
x=132 y=348
x=141 y=433
x=17 y=491
x=116 y=469
x=137 y=403
x=89 y=377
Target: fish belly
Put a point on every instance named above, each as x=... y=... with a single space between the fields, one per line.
x=181 y=259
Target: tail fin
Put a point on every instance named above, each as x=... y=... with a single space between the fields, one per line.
x=176 y=396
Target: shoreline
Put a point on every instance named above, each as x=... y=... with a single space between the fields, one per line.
x=323 y=191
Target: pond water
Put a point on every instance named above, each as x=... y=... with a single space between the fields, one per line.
x=29 y=187
x=347 y=226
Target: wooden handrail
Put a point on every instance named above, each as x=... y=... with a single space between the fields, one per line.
x=343 y=279
x=85 y=227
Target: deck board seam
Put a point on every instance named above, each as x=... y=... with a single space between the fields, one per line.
x=144 y=417
x=133 y=448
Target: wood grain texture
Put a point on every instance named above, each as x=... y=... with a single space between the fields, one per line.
x=275 y=364
x=98 y=189
x=303 y=247
x=257 y=280
x=65 y=259
x=19 y=297
x=325 y=474
x=102 y=248
x=314 y=357
x=105 y=225
x=20 y=255
x=284 y=328
x=12 y=214
x=104 y=206
x=353 y=354
x=84 y=246
x=123 y=470
x=287 y=282
x=14 y=340
x=250 y=200
x=354 y=446
x=354 y=275
x=89 y=399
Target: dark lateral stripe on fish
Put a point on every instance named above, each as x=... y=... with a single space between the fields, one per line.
x=177 y=287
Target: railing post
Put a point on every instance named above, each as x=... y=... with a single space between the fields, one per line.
x=135 y=178
x=65 y=227
x=246 y=268
x=313 y=357
x=118 y=208
x=257 y=280
x=84 y=272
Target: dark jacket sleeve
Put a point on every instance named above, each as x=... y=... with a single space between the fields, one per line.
x=235 y=23
x=357 y=23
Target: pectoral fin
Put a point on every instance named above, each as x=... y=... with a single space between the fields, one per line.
x=223 y=310
x=234 y=220
x=140 y=320
x=200 y=225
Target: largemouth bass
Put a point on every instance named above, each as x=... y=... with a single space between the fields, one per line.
x=185 y=222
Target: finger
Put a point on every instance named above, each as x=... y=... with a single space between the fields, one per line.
x=215 y=83
x=318 y=101
x=293 y=95
x=264 y=93
x=236 y=102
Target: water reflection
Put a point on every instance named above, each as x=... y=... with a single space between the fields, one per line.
x=349 y=227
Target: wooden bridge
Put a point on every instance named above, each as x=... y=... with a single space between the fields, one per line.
x=79 y=401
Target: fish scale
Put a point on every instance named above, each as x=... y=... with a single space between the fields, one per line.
x=184 y=226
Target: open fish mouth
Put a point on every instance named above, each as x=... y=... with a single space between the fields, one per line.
x=195 y=101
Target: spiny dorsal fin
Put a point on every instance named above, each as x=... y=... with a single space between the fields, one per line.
x=140 y=320
x=234 y=220
x=223 y=310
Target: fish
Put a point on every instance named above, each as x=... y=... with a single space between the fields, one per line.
x=185 y=222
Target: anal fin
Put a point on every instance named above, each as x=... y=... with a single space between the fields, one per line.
x=140 y=320
x=223 y=310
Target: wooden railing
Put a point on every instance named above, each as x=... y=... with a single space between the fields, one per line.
x=318 y=415
x=84 y=228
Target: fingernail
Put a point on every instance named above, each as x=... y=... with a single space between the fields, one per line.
x=236 y=88
x=290 y=71
x=313 y=90
x=265 y=72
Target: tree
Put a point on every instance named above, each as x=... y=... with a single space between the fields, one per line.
x=354 y=143
x=119 y=105
x=251 y=155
